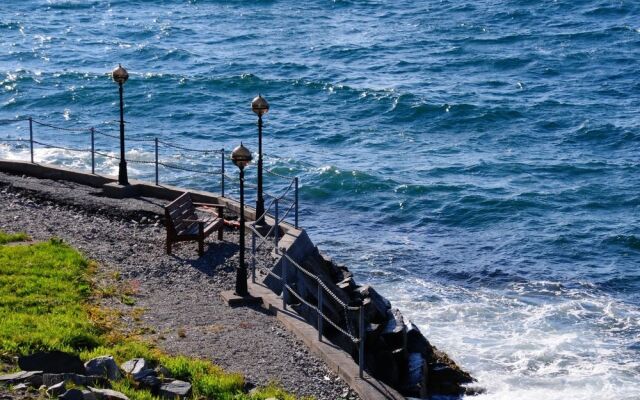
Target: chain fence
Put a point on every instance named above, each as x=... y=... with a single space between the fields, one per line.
x=224 y=178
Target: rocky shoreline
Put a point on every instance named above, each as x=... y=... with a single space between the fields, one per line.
x=178 y=296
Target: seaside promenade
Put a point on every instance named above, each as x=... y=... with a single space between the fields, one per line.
x=177 y=297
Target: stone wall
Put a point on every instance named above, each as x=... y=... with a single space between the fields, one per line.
x=396 y=352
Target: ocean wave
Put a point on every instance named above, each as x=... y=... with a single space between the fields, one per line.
x=630 y=242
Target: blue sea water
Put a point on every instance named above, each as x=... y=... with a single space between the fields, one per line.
x=478 y=162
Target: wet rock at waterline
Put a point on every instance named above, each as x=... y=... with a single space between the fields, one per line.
x=396 y=352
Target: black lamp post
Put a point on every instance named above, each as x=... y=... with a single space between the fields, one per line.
x=120 y=76
x=241 y=157
x=260 y=106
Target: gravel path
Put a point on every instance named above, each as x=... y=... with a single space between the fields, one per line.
x=177 y=296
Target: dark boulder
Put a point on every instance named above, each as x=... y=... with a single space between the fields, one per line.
x=103 y=366
x=52 y=362
x=72 y=394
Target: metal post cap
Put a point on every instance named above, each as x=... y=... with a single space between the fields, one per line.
x=259 y=105
x=120 y=75
x=241 y=156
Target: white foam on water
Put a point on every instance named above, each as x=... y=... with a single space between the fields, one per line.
x=536 y=340
x=80 y=161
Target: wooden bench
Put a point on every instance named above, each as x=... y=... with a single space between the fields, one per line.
x=183 y=224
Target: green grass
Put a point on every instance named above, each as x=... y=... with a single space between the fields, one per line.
x=45 y=301
x=43 y=288
x=12 y=237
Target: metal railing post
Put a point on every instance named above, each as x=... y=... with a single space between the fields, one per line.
x=222 y=174
x=93 y=150
x=361 y=344
x=253 y=256
x=284 y=281
x=157 y=173
x=31 y=137
x=276 y=225
x=296 y=193
x=319 y=326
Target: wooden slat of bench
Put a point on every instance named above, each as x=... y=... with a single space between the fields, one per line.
x=181 y=209
x=185 y=197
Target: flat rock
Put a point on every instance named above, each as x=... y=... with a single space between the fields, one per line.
x=20 y=387
x=56 y=390
x=107 y=394
x=103 y=366
x=88 y=395
x=93 y=380
x=134 y=366
x=20 y=377
x=143 y=374
x=51 y=362
x=175 y=389
x=72 y=394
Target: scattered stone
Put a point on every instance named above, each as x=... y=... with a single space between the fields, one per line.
x=72 y=394
x=52 y=379
x=143 y=374
x=88 y=395
x=56 y=390
x=134 y=366
x=103 y=366
x=151 y=382
x=20 y=377
x=51 y=362
x=175 y=390
x=107 y=394
x=20 y=387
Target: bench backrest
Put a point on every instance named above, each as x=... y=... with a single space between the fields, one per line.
x=178 y=211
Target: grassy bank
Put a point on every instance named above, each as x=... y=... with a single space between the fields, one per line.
x=46 y=292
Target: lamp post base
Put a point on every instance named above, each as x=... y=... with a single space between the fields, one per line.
x=233 y=300
x=118 y=191
x=122 y=173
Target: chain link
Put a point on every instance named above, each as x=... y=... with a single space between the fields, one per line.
x=60 y=147
x=270 y=171
x=10 y=121
x=175 y=146
x=61 y=128
x=13 y=140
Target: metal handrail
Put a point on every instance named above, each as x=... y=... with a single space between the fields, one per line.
x=322 y=288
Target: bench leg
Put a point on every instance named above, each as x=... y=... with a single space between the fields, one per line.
x=220 y=230
x=168 y=246
x=200 y=247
